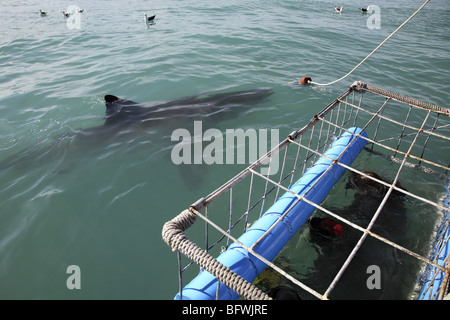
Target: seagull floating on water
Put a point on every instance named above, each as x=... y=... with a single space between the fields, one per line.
x=339 y=9
x=149 y=19
x=42 y=13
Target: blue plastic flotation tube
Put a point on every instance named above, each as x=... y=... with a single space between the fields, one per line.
x=434 y=278
x=204 y=286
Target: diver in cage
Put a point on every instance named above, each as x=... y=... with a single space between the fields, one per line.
x=368 y=196
x=363 y=184
x=333 y=241
x=326 y=228
x=284 y=293
x=390 y=223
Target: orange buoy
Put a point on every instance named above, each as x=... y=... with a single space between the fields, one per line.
x=305 y=80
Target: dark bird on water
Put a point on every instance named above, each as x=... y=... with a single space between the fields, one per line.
x=149 y=19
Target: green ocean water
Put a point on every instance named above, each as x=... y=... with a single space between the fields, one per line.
x=101 y=204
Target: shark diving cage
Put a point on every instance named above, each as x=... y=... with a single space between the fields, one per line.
x=249 y=220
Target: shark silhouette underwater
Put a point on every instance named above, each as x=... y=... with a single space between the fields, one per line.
x=125 y=117
x=126 y=112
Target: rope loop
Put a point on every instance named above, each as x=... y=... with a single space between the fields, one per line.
x=173 y=235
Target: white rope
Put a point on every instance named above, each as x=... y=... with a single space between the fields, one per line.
x=370 y=54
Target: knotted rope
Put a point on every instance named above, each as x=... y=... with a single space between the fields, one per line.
x=173 y=235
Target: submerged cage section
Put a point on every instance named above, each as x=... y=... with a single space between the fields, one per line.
x=383 y=157
x=434 y=281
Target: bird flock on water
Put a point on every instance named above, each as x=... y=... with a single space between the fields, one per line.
x=149 y=19
x=341 y=9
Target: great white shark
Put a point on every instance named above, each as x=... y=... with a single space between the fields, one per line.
x=125 y=112
x=124 y=117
